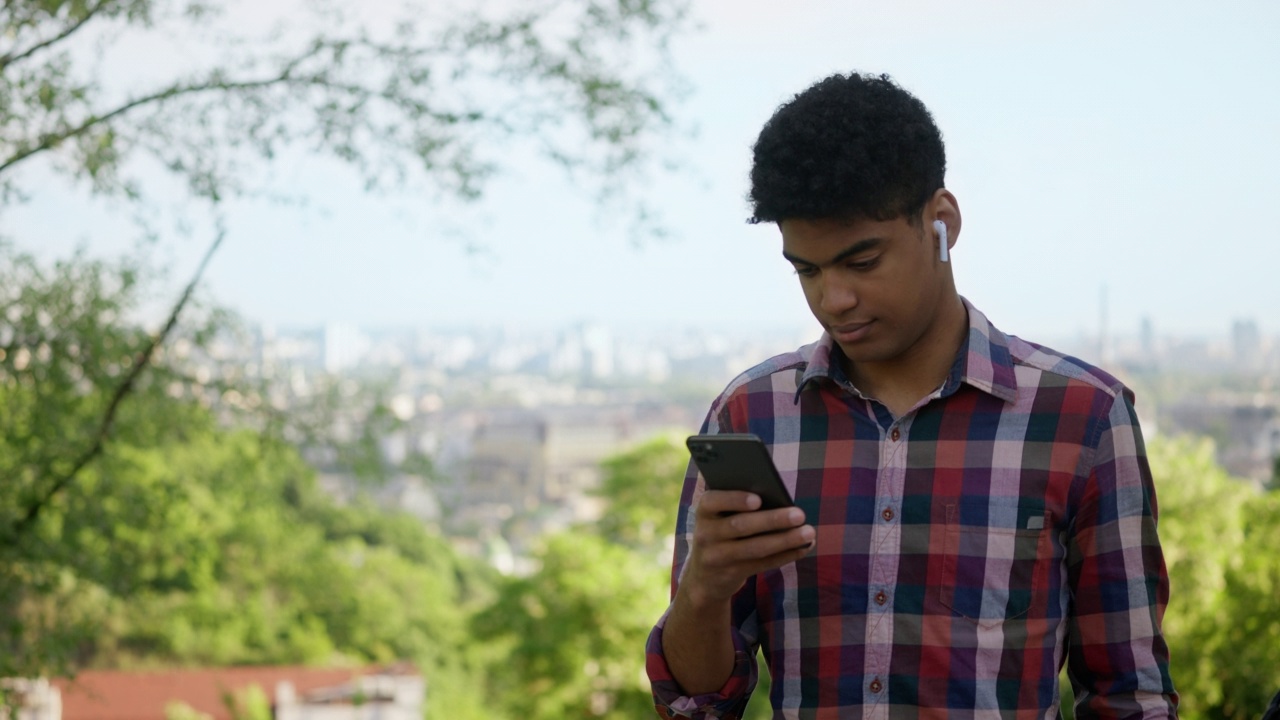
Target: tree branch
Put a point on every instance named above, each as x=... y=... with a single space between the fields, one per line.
x=11 y=58
x=108 y=419
x=53 y=139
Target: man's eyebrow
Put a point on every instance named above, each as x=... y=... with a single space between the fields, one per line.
x=859 y=247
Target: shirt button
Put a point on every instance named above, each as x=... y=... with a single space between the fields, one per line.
x=895 y=434
x=881 y=598
x=875 y=686
x=887 y=514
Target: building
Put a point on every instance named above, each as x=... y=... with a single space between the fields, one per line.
x=1245 y=428
x=527 y=472
x=291 y=693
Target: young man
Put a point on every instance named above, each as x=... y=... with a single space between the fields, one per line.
x=973 y=510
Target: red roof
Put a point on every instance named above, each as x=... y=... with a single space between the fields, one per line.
x=118 y=695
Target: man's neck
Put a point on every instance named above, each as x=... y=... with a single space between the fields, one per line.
x=903 y=382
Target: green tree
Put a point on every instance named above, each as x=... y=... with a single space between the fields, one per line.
x=182 y=539
x=642 y=489
x=574 y=631
x=438 y=93
x=1248 y=659
x=568 y=640
x=1223 y=555
x=66 y=361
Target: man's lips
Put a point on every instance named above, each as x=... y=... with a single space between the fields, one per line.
x=851 y=332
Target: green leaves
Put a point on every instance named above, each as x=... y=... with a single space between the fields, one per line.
x=61 y=357
x=642 y=487
x=1221 y=538
x=185 y=540
x=576 y=630
x=432 y=98
x=572 y=633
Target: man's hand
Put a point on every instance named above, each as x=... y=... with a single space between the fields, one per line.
x=732 y=540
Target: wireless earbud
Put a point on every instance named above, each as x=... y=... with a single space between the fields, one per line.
x=941 y=228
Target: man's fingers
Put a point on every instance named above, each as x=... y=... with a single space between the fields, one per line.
x=725 y=514
x=757 y=548
x=777 y=560
x=745 y=525
x=718 y=502
x=734 y=540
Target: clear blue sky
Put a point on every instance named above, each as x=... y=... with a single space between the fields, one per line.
x=1134 y=145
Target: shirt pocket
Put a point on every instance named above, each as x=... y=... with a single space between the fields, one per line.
x=996 y=554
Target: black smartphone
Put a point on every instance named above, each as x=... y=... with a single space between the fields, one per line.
x=739 y=461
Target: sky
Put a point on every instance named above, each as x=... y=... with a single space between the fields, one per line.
x=1125 y=149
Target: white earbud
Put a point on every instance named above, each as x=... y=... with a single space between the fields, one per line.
x=941 y=228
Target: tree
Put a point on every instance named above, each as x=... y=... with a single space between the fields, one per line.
x=574 y=631
x=1223 y=556
x=436 y=96
x=569 y=638
x=642 y=489
x=65 y=362
x=186 y=538
x=437 y=93
x=1248 y=661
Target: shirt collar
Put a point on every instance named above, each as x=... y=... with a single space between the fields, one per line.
x=983 y=361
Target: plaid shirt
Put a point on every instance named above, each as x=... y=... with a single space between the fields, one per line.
x=964 y=551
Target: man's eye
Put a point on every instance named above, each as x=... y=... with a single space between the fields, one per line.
x=806 y=271
x=863 y=265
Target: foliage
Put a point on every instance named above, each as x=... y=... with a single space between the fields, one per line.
x=251 y=703
x=182 y=531
x=642 y=488
x=572 y=634
x=182 y=711
x=1222 y=547
x=576 y=631
x=1249 y=659
x=186 y=541
x=64 y=353
x=436 y=93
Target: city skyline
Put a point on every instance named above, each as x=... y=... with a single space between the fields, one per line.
x=595 y=350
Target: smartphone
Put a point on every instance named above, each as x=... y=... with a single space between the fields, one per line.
x=739 y=461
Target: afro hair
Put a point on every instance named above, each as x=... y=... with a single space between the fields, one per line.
x=849 y=147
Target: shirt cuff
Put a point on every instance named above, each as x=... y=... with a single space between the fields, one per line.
x=671 y=700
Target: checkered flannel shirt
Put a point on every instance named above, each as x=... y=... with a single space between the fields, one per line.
x=964 y=551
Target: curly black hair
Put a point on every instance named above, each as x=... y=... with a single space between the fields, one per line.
x=849 y=147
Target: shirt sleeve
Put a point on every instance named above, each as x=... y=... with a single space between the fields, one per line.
x=1118 y=661
x=730 y=701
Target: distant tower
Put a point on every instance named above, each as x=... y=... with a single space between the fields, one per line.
x=1104 y=336
x=1246 y=343
x=1147 y=338
x=597 y=347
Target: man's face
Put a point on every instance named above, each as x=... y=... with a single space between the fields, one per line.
x=876 y=286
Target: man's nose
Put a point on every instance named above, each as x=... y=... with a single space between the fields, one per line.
x=838 y=295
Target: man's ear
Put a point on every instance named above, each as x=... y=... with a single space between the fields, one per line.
x=944 y=207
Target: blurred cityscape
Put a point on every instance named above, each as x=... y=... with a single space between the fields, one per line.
x=513 y=426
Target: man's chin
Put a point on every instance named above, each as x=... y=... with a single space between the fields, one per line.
x=860 y=352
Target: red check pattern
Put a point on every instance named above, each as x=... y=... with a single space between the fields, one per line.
x=965 y=551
